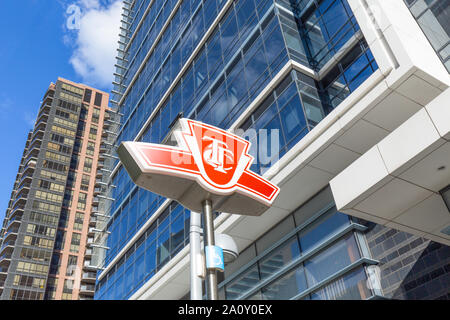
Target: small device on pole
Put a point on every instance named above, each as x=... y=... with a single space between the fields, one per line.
x=207 y=171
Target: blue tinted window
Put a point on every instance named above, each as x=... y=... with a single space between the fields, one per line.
x=351 y=286
x=332 y=260
x=286 y=286
x=279 y=258
x=323 y=229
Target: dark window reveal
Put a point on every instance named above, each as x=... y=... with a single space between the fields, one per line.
x=98 y=99
x=87 y=95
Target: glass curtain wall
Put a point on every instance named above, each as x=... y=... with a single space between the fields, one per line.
x=171 y=71
x=321 y=258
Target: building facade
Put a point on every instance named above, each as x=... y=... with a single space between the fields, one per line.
x=48 y=227
x=343 y=102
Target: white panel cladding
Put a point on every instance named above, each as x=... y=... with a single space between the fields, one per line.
x=423 y=96
x=416 y=157
x=334 y=159
x=428 y=215
x=392 y=199
x=431 y=172
x=367 y=173
x=439 y=111
x=414 y=139
x=392 y=111
x=351 y=138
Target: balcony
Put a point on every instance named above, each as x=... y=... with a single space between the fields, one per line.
x=110 y=156
x=109 y=132
x=87 y=289
x=33 y=152
x=17 y=212
x=40 y=125
x=48 y=100
x=32 y=156
x=92 y=221
x=20 y=201
x=50 y=92
x=92 y=231
x=101 y=162
x=25 y=179
x=14 y=222
x=43 y=117
x=87 y=266
x=45 y=108
x=88 y=253
x=35 y=144
x=29 y=168
x=24 y=189
x=5 y=259
x=3 y=273
x=11 y=235
x=89 y=276
x=97 y=191
x=7 y=247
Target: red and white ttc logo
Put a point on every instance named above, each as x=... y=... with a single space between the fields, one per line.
x=216 y=159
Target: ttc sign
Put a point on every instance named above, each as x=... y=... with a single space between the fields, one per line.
x=208 y=163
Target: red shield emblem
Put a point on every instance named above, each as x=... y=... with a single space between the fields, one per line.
x=218 y=160
x=220 y=156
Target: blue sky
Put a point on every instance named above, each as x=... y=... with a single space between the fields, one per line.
x=41 y=41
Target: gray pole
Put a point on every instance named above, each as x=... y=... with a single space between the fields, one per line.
x=211 y=274
x=195 y=232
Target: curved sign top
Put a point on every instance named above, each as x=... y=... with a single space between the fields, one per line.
x=215 y=159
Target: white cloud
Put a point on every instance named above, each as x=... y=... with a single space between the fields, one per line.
x=89 y=4
x=95 y=41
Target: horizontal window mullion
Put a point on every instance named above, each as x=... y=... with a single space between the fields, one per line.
x=330 y=279
x=140 y=23
x=290 y=266
x=280 y=242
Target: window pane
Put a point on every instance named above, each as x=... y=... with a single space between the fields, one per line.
x=287 y=286
x=293 y=118
x=243 y=283
x=275 y=234
x=352 y=286
x=98 y=99
x=163 y=247
x=279 y=258
x=330 y=261
x=322 y=229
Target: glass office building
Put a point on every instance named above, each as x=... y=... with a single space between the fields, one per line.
x=293 y=68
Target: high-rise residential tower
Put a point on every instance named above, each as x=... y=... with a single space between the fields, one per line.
x=48 y=227
x=344 y=102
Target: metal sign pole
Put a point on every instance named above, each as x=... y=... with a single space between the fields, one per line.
x=196 y=253
x=211 y=274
